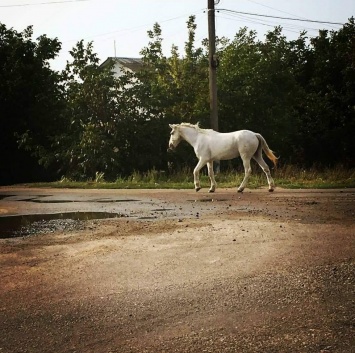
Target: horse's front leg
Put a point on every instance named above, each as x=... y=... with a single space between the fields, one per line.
x=197 y=169
x=211 y=176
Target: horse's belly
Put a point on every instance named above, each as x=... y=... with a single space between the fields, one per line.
x=226 y=153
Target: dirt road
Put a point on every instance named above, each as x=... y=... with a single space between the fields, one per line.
x=180 y=271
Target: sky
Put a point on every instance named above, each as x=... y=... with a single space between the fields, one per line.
x=119 y=27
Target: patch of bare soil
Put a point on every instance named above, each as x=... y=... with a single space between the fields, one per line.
x=228 y=272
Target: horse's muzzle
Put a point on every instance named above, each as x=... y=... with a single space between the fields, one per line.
x=170 y=148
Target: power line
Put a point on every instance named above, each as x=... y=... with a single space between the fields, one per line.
x=246 y=19
x=278 y=17
x=272 y=8
x=287 y=26
x=43 y=3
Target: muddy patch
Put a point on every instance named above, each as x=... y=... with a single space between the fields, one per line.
x=25 y=225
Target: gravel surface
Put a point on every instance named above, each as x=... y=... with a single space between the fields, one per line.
x=51 y=226
x=182 y=272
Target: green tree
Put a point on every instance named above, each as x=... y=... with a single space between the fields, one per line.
x=176 y=86
x=257 y=89
x=105 y=128
x=327 y=113
x=91 y=117
x=299 y=94
x=174 y=90
x=30 y=100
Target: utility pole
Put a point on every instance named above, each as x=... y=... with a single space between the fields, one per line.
x=213 y=63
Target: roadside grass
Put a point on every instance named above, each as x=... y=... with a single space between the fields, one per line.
x=287 y=176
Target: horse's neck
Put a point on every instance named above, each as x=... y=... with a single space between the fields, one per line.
x=190 y=135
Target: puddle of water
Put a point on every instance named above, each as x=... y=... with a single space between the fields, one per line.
x=109 y=200
x=21 y=198
x=12 y=226
x=48 y=201
x=5 y=196
x=36 y=200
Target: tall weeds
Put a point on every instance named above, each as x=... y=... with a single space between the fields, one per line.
x=286 y=176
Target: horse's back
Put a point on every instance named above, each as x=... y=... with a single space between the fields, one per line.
x=229 y=145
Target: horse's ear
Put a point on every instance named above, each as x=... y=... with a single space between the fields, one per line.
x=171 y=126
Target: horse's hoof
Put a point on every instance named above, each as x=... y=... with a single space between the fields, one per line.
x=271 y=190
x=210 y=190
x=197 y=189
x=240 y=190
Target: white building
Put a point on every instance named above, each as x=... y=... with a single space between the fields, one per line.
x=121 y=65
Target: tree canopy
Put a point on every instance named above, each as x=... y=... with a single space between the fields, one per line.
x=30 y=99
x=299 y=94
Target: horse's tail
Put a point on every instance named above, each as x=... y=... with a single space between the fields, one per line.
x=267 y=150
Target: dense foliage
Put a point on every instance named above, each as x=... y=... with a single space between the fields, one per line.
x=30 y=100
x=83 y=122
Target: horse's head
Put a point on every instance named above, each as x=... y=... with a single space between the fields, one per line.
x=175 y=136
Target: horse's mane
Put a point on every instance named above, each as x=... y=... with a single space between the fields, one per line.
x=196 y=127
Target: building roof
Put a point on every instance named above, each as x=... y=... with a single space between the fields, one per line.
x=134 y=64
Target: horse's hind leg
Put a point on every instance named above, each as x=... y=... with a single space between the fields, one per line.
x=259 y=158
x=197 y=169
x=211 y=176
x=247 y=171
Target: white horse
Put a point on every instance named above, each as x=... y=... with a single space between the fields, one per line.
x=210 y=145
